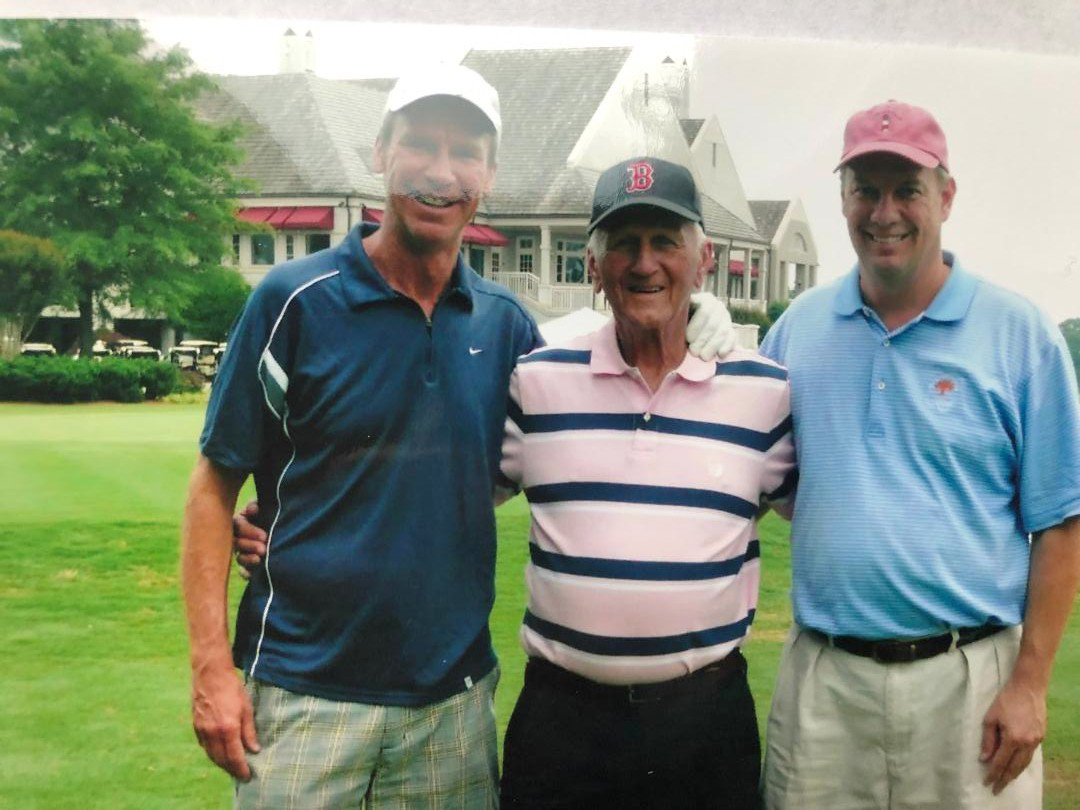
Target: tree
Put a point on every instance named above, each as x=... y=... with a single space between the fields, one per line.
x=213 y=308
x=1071 y=330
x=33 y=274
x=100 y=151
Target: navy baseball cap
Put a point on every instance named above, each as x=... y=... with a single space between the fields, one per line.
x=646 y=181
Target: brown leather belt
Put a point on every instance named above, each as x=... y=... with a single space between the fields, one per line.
x=904 y=651
x=541 y=671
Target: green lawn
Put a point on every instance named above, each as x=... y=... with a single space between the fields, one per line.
x=93 y=684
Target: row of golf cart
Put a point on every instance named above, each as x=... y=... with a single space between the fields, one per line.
x=198 y=355
x=194 y=355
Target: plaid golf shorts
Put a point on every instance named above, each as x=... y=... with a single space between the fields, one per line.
x=318 y=753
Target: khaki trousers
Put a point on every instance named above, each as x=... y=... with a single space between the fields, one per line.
x=848 y=733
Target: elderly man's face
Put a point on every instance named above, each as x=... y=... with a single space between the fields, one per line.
x=437 y=162
x=894 y=210
x=652 y=262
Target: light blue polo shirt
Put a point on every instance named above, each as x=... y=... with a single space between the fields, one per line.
x=926 y=455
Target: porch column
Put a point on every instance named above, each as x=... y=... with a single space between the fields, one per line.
x=722 y=271
x=545 y=254
x=764 y=279
x=747 y=276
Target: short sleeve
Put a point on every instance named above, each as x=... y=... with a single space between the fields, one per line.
x=1050 y=452
x=236 y=416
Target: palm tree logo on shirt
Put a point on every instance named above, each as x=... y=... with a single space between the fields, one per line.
x=944 y=393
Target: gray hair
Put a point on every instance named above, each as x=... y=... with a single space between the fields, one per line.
x=597 y=244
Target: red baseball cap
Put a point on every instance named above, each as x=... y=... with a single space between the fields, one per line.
x=899 y=128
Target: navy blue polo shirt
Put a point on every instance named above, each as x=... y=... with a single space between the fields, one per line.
x=374 y=436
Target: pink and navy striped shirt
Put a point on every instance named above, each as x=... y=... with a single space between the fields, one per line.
x=644 y=558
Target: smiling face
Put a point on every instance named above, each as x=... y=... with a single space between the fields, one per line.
x=894 y=210
x=437 y=160
x=647 y=263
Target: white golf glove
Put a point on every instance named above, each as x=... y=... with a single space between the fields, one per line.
x=709 y=333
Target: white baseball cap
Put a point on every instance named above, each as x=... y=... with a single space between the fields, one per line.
x=447 y=80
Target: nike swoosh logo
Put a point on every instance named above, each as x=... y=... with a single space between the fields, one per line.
x=474 y=351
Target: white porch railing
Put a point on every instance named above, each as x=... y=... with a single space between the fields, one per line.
x=523 y=285
x=566 y=298
x=754 y=304
x=554 y=297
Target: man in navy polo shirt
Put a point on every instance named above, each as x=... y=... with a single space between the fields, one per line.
x=937 y=428
x=363 y=388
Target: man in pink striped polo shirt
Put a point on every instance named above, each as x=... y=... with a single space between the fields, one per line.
x=644 y=467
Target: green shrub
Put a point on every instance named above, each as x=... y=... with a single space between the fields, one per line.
x=744 y=315
x=157 y=379
x=118 y=380
x=775 y=310
x=65 y=380
x=46 y=379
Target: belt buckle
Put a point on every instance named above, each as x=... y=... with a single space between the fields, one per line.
x=894 y=652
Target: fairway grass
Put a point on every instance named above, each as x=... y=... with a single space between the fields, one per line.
x=94 y=679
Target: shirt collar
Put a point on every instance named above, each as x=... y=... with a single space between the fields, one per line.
x=607 y=359
x=364 y=284
x=954 y=298
x=950 y=304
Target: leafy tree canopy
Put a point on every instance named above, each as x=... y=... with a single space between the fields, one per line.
x=33 y=274
x=100 y=151
x=214 y=306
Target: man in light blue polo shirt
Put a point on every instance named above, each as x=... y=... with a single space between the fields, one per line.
x=937 y=430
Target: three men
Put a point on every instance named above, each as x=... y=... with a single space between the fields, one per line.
x=937 y=426
x=644 y=467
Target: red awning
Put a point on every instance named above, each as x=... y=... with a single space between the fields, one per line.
x=277 y=219
x=473 y=234
x=483 y=235
x=735 y=268
x=310 y=218
x=294 y=218
x=255 y=214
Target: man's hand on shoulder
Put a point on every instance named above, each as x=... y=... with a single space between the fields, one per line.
x=223 y=718
x=1012 y=729
x=249 y=541
x=710 y=333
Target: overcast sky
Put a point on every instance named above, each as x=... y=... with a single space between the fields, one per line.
x=1007 y=98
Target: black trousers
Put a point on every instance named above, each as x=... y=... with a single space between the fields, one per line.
x=572 y=745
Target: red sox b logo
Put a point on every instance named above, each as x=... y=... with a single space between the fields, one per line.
x=641 y=177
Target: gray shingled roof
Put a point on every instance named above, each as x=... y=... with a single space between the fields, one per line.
x=311 y=135
x=768 y=215
x=691 y=127
x=547 y=96
x=382 y=85
x=265 y=162
x=721 y=222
